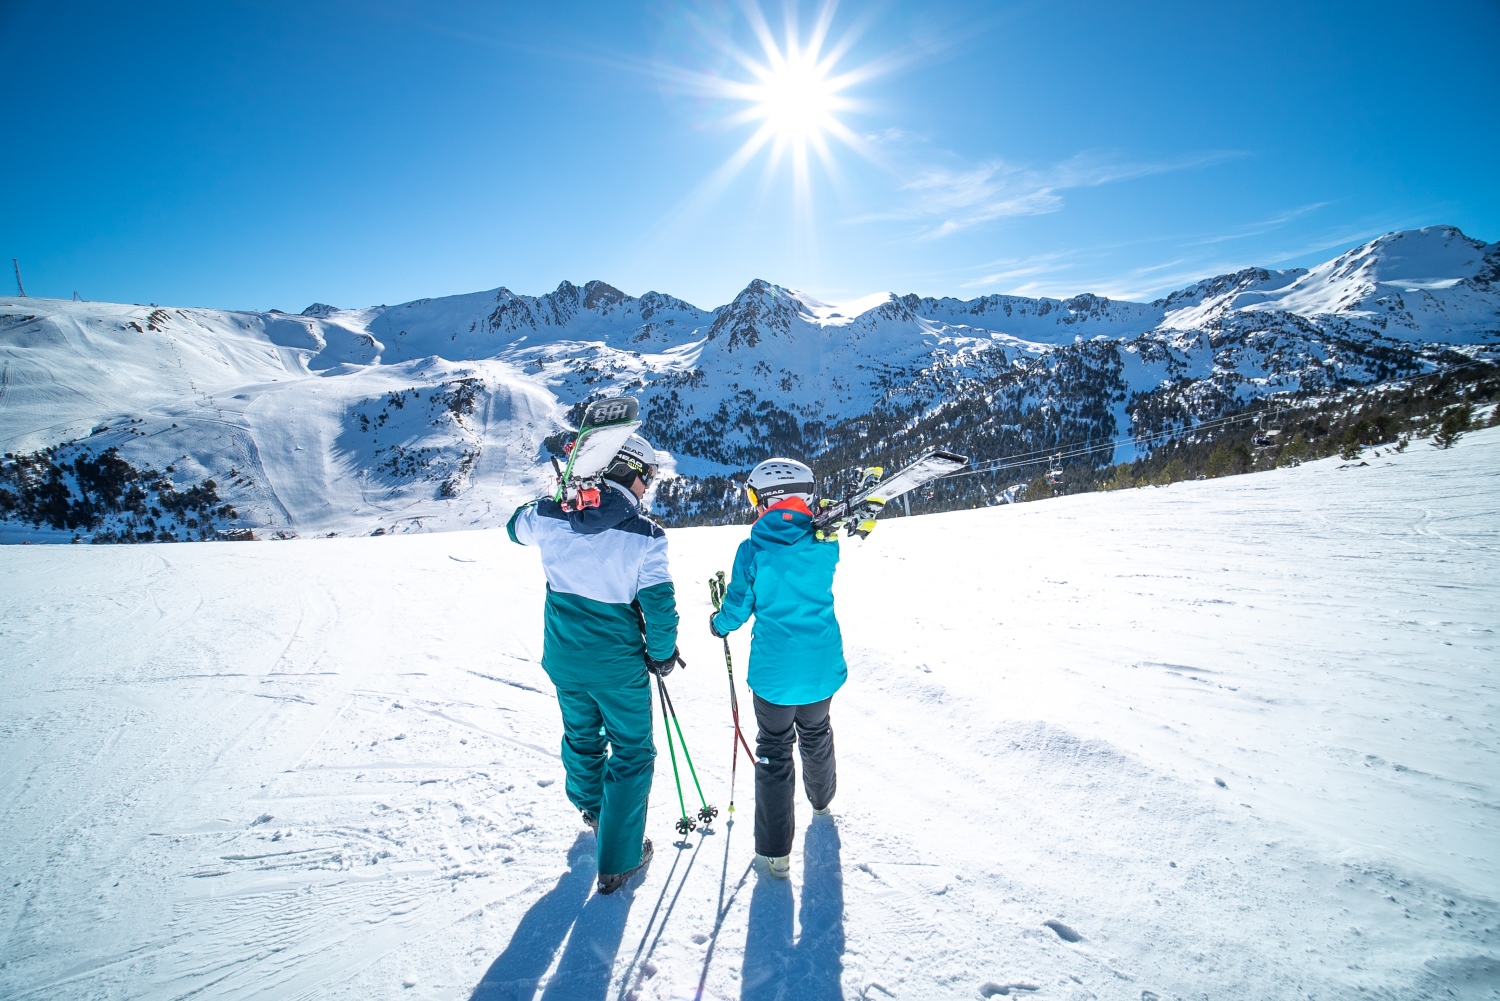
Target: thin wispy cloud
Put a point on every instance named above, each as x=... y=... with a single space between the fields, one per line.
x=1170 y=262
x=947 y=199
x=1260 y=227
x=1020 y=268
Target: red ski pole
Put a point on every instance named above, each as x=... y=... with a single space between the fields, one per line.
x=716 y=589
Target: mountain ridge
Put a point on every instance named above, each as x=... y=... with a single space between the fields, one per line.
x=441 y=412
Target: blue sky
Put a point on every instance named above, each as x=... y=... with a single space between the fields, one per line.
x=257 y=155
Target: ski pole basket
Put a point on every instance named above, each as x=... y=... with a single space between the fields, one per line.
x=706 y=813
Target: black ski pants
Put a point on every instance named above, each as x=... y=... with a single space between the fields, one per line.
x=776 y=775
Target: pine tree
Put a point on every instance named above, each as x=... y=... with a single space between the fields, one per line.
x=1455 y=422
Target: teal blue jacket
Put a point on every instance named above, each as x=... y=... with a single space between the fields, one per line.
x=610 y=600
x=784 y=577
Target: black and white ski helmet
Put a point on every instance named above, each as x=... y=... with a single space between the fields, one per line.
x=638 y=450
x=635 y=458
x=777 y=479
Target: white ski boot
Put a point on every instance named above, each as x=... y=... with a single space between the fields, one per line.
x=779 y=866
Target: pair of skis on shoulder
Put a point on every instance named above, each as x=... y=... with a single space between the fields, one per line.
x=605 y=426
x=607 y=423
x=875 y=490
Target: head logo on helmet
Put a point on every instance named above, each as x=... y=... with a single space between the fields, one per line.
x=635 y=458
x=778 y=479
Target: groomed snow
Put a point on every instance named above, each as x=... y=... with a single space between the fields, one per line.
x=1236 y=737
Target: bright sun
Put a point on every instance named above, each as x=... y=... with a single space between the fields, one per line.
x=794 y=96
x=796 y=99
x=793 y=92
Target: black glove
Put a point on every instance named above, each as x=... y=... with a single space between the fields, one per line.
x=713 y=628
x=662 y=668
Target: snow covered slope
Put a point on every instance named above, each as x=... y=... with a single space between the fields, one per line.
x=438 y=413
x=1235 y=739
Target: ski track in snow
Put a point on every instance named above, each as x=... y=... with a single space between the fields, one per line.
x=1226 y=739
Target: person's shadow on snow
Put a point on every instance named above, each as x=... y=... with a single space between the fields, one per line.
x=777 y=970
x=597 y=924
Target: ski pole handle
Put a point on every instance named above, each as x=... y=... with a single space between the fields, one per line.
x=717 y=589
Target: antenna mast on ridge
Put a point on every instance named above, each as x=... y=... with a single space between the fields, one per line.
x=19 y=287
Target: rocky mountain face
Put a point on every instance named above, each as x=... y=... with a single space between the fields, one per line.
x=441 y=413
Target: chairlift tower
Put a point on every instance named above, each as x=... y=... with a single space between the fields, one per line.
x=20 y=289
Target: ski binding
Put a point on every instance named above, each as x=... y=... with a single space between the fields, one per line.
x=873 y=492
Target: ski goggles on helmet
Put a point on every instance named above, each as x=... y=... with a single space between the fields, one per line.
x=778 y=492
x=624 y=466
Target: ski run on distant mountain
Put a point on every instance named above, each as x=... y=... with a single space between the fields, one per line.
x=134 y=423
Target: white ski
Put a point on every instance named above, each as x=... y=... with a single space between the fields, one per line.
x=877 y=492
x=605 y=426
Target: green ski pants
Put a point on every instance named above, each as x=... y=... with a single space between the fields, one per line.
x=610 y=757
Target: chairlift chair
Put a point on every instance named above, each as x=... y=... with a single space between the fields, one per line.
x=1265 y=434
x=1054 y=470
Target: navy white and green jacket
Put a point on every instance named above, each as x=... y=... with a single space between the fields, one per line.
x=610 y=599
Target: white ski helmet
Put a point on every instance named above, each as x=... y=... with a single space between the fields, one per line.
x=635 y=458
x=777 y=479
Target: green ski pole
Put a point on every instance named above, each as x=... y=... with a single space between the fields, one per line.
x=707 y=813
x=685 y=825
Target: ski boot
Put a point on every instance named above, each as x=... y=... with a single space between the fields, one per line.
x=779 y=866
x=610 y=882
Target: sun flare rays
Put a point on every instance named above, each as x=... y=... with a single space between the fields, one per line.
x=791 y=92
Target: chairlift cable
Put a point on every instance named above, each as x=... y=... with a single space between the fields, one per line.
x=1073 y=451
x=1046 y=454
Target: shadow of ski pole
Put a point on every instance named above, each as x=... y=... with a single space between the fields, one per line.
x=724 y=905
x=638 y=958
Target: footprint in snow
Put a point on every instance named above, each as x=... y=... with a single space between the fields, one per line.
x=990 y=989
x=1063 y=931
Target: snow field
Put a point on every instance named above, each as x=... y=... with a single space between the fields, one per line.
x=1232 y=739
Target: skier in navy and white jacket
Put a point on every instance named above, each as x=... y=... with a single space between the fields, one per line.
x=611 y=617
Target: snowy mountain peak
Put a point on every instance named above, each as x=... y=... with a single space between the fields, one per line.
x=1424 y=284
x=434 y=412
x=761 y=308
x=1435 y=257
x=1223 y=287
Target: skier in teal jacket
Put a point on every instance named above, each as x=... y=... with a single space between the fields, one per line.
x=611 y=617
x=783 y=576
